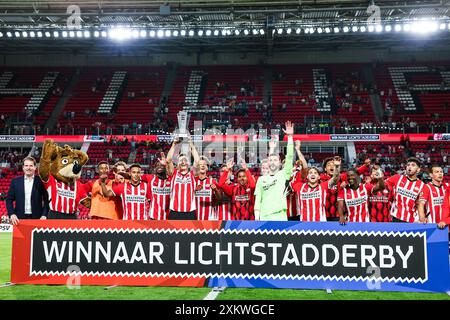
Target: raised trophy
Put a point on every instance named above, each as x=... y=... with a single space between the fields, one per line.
x=183 y=134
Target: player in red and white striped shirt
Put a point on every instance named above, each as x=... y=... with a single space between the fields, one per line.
x=206 y=192
x=312 y=195
x=407 y=188
x=299 y=172
x=354 y=197
x=223 y=205
x=431 y=199
x=159 y=185
x=135 y=194
x=182 y=194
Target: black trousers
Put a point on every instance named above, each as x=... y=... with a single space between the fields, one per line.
x=296 y=218
x=61 y=216
x=333 y=219
x=177 y=215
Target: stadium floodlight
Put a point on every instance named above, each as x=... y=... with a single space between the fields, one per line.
x=1 y=34
x=261 y=31
x=255 y=32
x=298 y=31
x=442 y=26
x=65 y=34
x=223 y=32
x=200 y=33
x=363 y=29
x=237 y=32
x=168 y=33
x=280 y=30
x=160 y=33
x=39 y=34
x=378 y=28
x=246 y=32
x=336 y=30
x=87 y=34
x=175 y=33
x=327 y=30
x=345 y=29
x=55 y=34
x=9 y=34
x=32 y=34
x=96 y=34
x=104 y=34
x=208 y=32
x=24 y=34
x=229 y=32
x=354 y=28
x=398 y=28
x=135 y=34
x=319 y=30
x=152 y=33
x=183 y=33
x=371 y=28
x=388 y=28
x=407 y=27
x=216 y=32
x=71 y=34
x=143 y=33
x=79 y=34
x=289 y=30
x=191 y=33
x=47 y=34
x=17 y=34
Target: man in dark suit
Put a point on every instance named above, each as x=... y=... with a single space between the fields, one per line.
x=28 y=193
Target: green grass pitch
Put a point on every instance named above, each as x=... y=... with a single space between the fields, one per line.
x=42 y=292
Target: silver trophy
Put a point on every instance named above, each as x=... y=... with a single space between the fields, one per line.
x=183 y=122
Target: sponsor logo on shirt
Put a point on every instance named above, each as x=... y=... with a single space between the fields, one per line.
x=439 y=201
x=161 y=191
x=267 y=187
x=356 y=202
x=379 y=199
x=135 y=198
x=203 y=193
x=242 y=198
x=66 y=193
x=310 y=195
x=407 y=193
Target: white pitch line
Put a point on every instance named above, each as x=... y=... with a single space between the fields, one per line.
x=7 y=284
x=212 y=295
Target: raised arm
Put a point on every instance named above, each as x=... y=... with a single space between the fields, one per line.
x=194 y=151
x=250 y=178
x=169 y=158
x=337 y=171
x=106 y=193
x=49 y=149
x=288 y=165
x=302 y=159
x=223 y=178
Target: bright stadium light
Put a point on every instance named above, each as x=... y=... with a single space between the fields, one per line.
x=246 y=32
x=160 y=33
x=354 y=28
x=65 y=34
x=200 y=33
x=216 y=32
x=280 y=30
x=96 y=34
x=336 y=30
x=388 y=28
x=289 y=30
x=47 y=34
x=135 y=34
x=71 y=34
x=237 y=32
x=371 y=28
x=79 y=34
x=1 y=34
x=363 y=29
x=378 y=28
x=55 y=34
x=319 y=30
x=448 y=26
x=255 y=32
x=442 y=26
x=32 y=34
x=104 y=34
x=39 y=34
x=175 y=33
x=229 y=32
x=17 y=34
x=327 y=30
x=345 y=29
x=398 y=28
x=261 y=31
x=168 y=33
x=208 y=32
x=9 y=34
x=191 y=33
x=298 y=31
x=24 y=34
x=183 y=33
x=87 y=34
x=223 y=32
x=407 y=27
x=152 y=33
x=143 y=33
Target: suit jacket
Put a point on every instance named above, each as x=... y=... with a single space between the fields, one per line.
x=16 y=193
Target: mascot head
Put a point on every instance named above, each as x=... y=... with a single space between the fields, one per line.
x=65 y=162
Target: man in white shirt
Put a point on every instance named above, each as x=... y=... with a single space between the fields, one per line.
x=27 y=197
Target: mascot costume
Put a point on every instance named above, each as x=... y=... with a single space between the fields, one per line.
x=60 y=171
